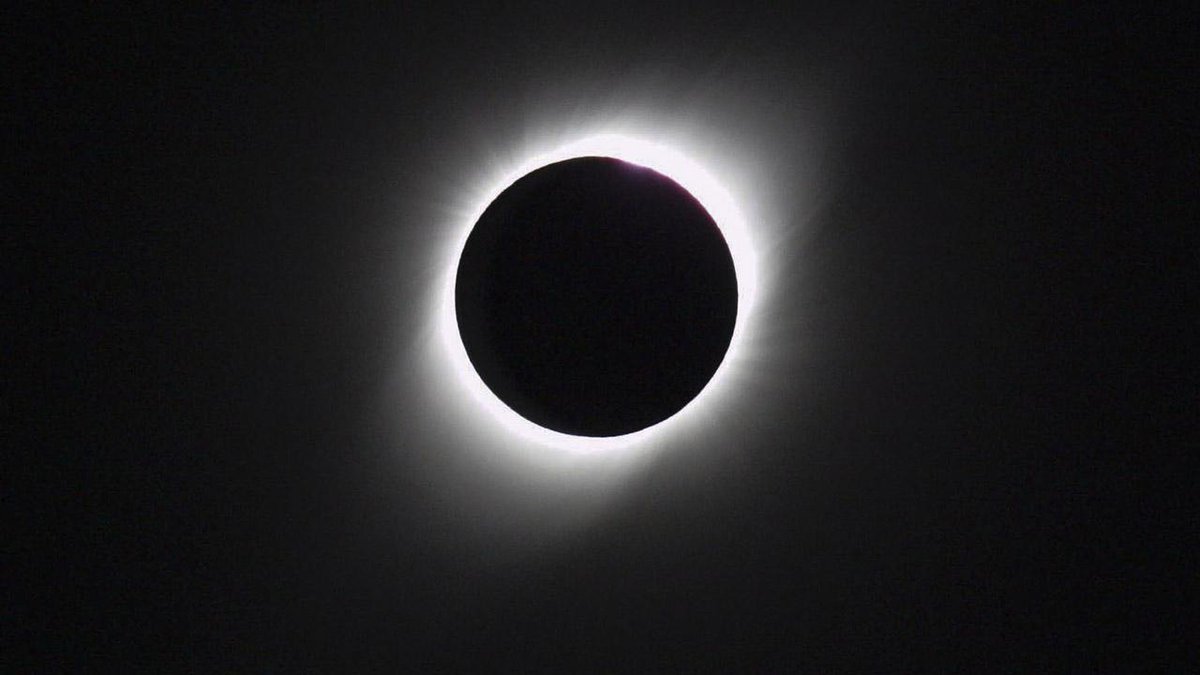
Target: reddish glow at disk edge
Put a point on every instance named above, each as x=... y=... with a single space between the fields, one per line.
x=724 y=210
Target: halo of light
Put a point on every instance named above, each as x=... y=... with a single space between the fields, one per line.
x=706 y=189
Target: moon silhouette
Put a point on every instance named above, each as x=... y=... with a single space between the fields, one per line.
x=595 y=297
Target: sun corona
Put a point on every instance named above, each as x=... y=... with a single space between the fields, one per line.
x=715 y=199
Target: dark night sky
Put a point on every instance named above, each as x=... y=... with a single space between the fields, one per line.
x=961 y=445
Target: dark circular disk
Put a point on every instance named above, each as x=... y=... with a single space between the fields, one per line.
x=595 y=297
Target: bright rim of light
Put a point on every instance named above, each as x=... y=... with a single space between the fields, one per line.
x=712 y=196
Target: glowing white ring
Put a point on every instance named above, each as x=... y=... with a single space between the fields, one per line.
x=711 y=195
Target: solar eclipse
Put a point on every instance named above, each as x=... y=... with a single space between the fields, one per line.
x=595 y=297
x=598 y=292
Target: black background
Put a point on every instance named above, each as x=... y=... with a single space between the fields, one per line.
x=966 y=448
